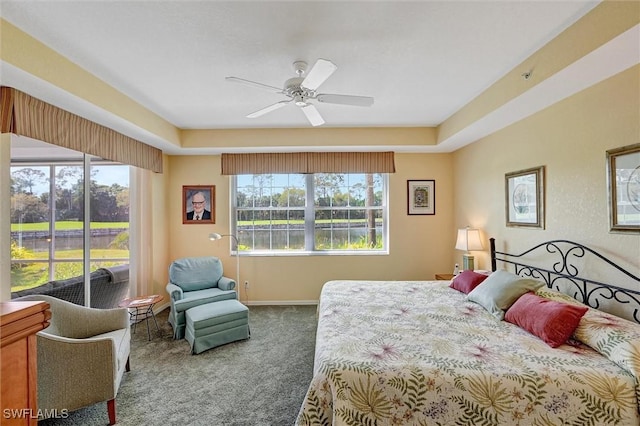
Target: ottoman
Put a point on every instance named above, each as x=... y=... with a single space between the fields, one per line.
x=215 y=324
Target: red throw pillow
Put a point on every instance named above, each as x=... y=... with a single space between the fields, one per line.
x=552 y=321
x=467 y=281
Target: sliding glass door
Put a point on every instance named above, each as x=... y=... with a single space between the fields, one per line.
x=69 y=216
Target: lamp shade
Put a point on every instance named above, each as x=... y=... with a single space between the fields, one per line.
x=468 y=239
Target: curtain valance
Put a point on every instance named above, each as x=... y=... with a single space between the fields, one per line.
x=25 y=115
x=308 y=162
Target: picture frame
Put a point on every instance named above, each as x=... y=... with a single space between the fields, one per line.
x=623 y=184
x=198 y=204
x=524 y=198
x=421 y=197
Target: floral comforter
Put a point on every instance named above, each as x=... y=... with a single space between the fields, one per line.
x=417 y=353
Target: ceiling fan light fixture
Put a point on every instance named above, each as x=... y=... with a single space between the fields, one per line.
x=299 y=100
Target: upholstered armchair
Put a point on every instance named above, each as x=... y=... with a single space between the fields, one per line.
x=82 y=356
x=195 y=281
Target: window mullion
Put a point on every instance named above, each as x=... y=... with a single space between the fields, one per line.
x=52 y=222
x=309 y=214
x=233 y=206
x=86 y=230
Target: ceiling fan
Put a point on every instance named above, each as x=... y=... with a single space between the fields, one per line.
x=302 y=89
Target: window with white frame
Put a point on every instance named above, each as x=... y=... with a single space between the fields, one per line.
x=311 y=213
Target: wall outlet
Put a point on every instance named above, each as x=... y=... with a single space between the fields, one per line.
x=246 y=285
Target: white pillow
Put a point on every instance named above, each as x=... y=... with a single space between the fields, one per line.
x=500 y=290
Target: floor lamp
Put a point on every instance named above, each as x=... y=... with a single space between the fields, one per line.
x=468 y=240
x=215 y=236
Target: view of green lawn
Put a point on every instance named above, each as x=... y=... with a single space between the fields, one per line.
x=30 y=275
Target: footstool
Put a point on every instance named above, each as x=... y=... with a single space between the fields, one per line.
x=215 y=324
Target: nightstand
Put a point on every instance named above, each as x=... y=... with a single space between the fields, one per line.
x=445 y=277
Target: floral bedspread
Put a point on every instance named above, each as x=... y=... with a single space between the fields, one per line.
x=417 y=353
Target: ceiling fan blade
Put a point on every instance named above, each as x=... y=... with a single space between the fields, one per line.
x=270 y=108
x=254 y=84
x=321 y=71
x=313 y=115
x=345 y=99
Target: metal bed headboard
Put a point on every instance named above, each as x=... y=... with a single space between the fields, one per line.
x=566 y=273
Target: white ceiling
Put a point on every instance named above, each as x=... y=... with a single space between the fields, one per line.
x=421 y=60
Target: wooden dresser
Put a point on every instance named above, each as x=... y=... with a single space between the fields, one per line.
x=19 y=323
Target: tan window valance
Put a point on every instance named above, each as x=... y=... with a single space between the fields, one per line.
x=308 y=162
x=25 y=115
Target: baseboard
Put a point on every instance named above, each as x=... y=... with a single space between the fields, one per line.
x=159 y=308
x=279 y=302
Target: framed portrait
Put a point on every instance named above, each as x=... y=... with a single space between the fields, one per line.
x=421 y=197
x=198 y=204
x=623 y=180
x=524 y=192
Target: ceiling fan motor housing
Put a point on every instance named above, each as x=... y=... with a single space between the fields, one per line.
x=292 y=88
x=300 y=67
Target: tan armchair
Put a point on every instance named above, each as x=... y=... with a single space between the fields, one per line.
x=82 y=356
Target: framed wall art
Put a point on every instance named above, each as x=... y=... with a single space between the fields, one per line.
x=623 y=180
x=524 y=192
x=198 y=204
x=421 y=197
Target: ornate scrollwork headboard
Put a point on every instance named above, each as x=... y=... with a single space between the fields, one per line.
x=569 y=263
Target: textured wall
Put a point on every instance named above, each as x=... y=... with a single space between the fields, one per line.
x=571 y=139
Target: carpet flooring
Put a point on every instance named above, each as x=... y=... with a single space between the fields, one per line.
x=255 y=382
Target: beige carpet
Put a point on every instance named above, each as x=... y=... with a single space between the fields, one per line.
x=260 y=381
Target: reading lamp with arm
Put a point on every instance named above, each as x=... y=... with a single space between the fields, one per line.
x=468 y=240
x=215 y=236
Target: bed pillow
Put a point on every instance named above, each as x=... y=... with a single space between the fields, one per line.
x=615 y=338
x=548 y=293
x=467 y=281
x=553 y=322
x=498 y=292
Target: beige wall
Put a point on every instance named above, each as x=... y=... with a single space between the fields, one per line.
x=158 y=243
x=373 y=138
x=420 y=246
x=570 y=138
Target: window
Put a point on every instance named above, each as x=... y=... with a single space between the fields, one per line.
x=319 y=213
x=48 y=214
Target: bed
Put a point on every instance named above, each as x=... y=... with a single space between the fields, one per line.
x=421 y=353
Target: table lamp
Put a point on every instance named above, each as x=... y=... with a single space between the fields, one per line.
x=468 y=240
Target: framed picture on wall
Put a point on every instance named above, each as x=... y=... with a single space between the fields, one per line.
x=198 y=204
x=623 y=179
x=524 y=192
x=421 y=197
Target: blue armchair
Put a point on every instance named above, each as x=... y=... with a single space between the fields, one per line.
x=195 y=281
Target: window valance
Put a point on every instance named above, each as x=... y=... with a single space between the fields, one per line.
x=308 y=162
x=25 y=115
